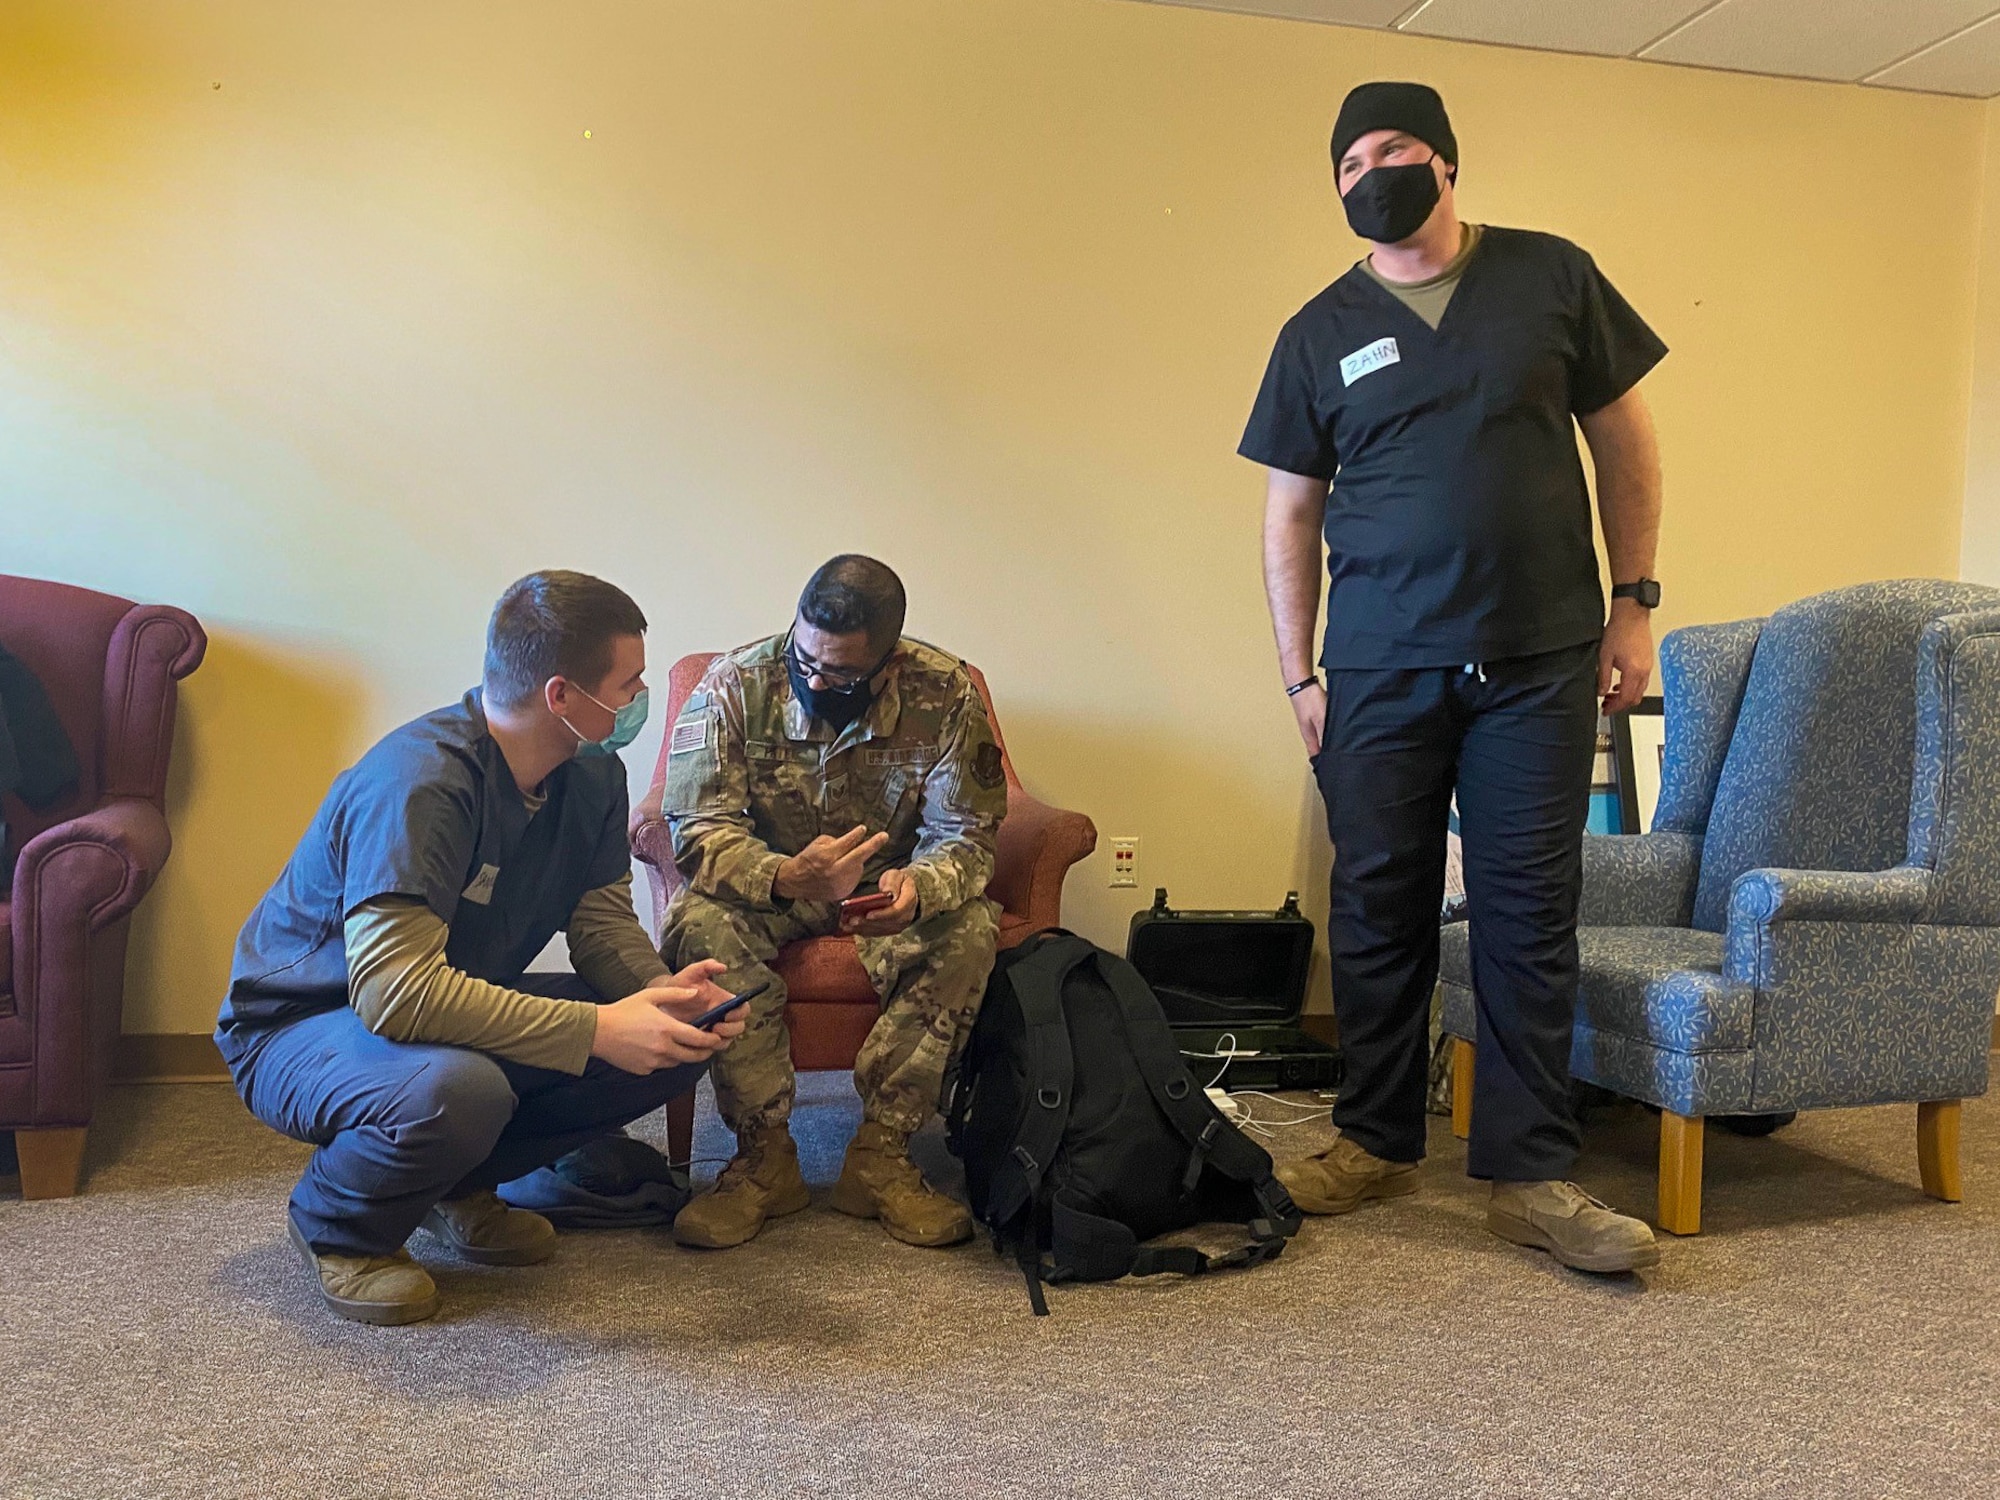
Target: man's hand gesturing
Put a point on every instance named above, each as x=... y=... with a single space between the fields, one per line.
x=828 y=869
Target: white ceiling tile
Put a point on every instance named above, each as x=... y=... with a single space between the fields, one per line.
x=1617 y=28
x=1967 y=64
x=1340 y=12
x=1844 y=39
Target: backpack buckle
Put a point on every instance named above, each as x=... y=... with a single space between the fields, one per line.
x=1198 y=1158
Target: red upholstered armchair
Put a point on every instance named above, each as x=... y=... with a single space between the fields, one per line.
x=109 y=667
x=831 y=1005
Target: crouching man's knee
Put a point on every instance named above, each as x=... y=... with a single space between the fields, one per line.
x=454 y=1110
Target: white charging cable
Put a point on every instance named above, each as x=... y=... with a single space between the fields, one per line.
x=1268 y=1129
x=1229 y=1038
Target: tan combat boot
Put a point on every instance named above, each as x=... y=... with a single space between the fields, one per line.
x=1574 y=1227
x=762 y=1182
x=484 y=1229
x=879 y=1181
x=1343 y=1177
x=381 y=1289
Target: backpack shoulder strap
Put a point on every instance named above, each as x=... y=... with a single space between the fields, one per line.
x=1214 y=1140
x=1038 y=985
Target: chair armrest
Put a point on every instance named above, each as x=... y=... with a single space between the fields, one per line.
x=1037 y=845
x=1639 y=880
x=1762 y=897
x=653 y=847
x=1862 y=997
x=1764 y=903
x=92 y=868
x=74 y=886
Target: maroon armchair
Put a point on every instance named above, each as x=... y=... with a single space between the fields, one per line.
x=109 y=666
x=830 y=1005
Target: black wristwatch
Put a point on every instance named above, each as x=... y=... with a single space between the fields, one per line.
x=1646 y=591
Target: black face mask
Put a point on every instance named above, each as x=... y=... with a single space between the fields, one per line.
x=1389 y=204
x=839 y=708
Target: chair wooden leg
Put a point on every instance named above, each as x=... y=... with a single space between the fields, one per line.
x=1937 y=1148
x=1680 y=1173
x=1461 y=1089
x=51 y=1161
x=680 y=1129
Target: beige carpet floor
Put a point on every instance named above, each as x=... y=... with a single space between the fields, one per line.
x=1833 y=1333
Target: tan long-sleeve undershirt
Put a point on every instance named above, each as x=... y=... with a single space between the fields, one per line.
x=608 y=946
x=402 y=987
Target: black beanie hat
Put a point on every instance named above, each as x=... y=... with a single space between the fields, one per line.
x=1413 y=108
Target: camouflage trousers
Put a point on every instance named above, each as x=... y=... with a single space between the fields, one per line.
x=930 y=977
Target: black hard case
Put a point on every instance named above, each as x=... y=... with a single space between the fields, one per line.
x=1240 y=973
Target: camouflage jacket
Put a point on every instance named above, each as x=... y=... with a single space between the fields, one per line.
x=752 y=779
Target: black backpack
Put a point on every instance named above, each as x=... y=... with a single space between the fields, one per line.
x=1083 y=1133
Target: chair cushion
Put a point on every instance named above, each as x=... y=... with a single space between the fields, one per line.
x=824 y=971
x=6 y=958
x=1657 y=984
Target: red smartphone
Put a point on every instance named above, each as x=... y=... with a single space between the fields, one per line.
x=861 y=906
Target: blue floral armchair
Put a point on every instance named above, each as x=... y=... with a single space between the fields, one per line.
x=1814 y=920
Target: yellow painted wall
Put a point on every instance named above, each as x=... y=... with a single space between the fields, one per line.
x=326 y=321
x=1979 y=555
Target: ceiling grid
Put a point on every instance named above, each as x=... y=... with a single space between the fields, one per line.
x=1931 y=46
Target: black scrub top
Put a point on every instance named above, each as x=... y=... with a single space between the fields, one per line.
x=1458 y=528
x=432 y=813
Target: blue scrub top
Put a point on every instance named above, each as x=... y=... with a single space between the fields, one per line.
x=432 y=813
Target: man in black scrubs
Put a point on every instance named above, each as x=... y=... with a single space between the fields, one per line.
x=1431 y=390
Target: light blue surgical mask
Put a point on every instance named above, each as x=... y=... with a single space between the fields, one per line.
x=625 y=727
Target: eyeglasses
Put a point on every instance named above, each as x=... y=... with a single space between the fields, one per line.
x=840 y=679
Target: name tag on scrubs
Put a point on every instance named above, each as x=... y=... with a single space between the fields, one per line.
x=480 y=892
x=1367 y=361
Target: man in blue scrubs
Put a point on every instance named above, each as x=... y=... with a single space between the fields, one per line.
x=379 y=1005
x=1421 y=415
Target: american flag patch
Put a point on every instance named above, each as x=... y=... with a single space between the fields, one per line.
x=689 y=734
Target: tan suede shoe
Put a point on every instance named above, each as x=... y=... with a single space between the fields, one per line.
x=1574 y=1227
x=761 y=1183
x=382 y=1289
x=484 y=1229
x=879 y=1181
x=1343 y=1177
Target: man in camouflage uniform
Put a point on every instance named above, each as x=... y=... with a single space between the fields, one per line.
x=828 y=762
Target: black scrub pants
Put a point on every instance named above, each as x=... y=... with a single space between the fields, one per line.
x=1516 y=738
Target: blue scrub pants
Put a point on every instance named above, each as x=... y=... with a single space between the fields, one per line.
x=401 y=1125
x=1516 y=738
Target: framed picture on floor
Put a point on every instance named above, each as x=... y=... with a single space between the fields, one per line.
x=1606 y=790
x=1639 y=751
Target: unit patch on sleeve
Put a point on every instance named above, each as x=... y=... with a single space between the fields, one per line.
x=988 y=768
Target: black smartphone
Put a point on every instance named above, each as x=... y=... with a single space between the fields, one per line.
x=708 y=1018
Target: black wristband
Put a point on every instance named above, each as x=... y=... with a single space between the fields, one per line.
x=1299 y=687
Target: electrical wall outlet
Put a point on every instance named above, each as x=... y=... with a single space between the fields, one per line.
x=1124 y=863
